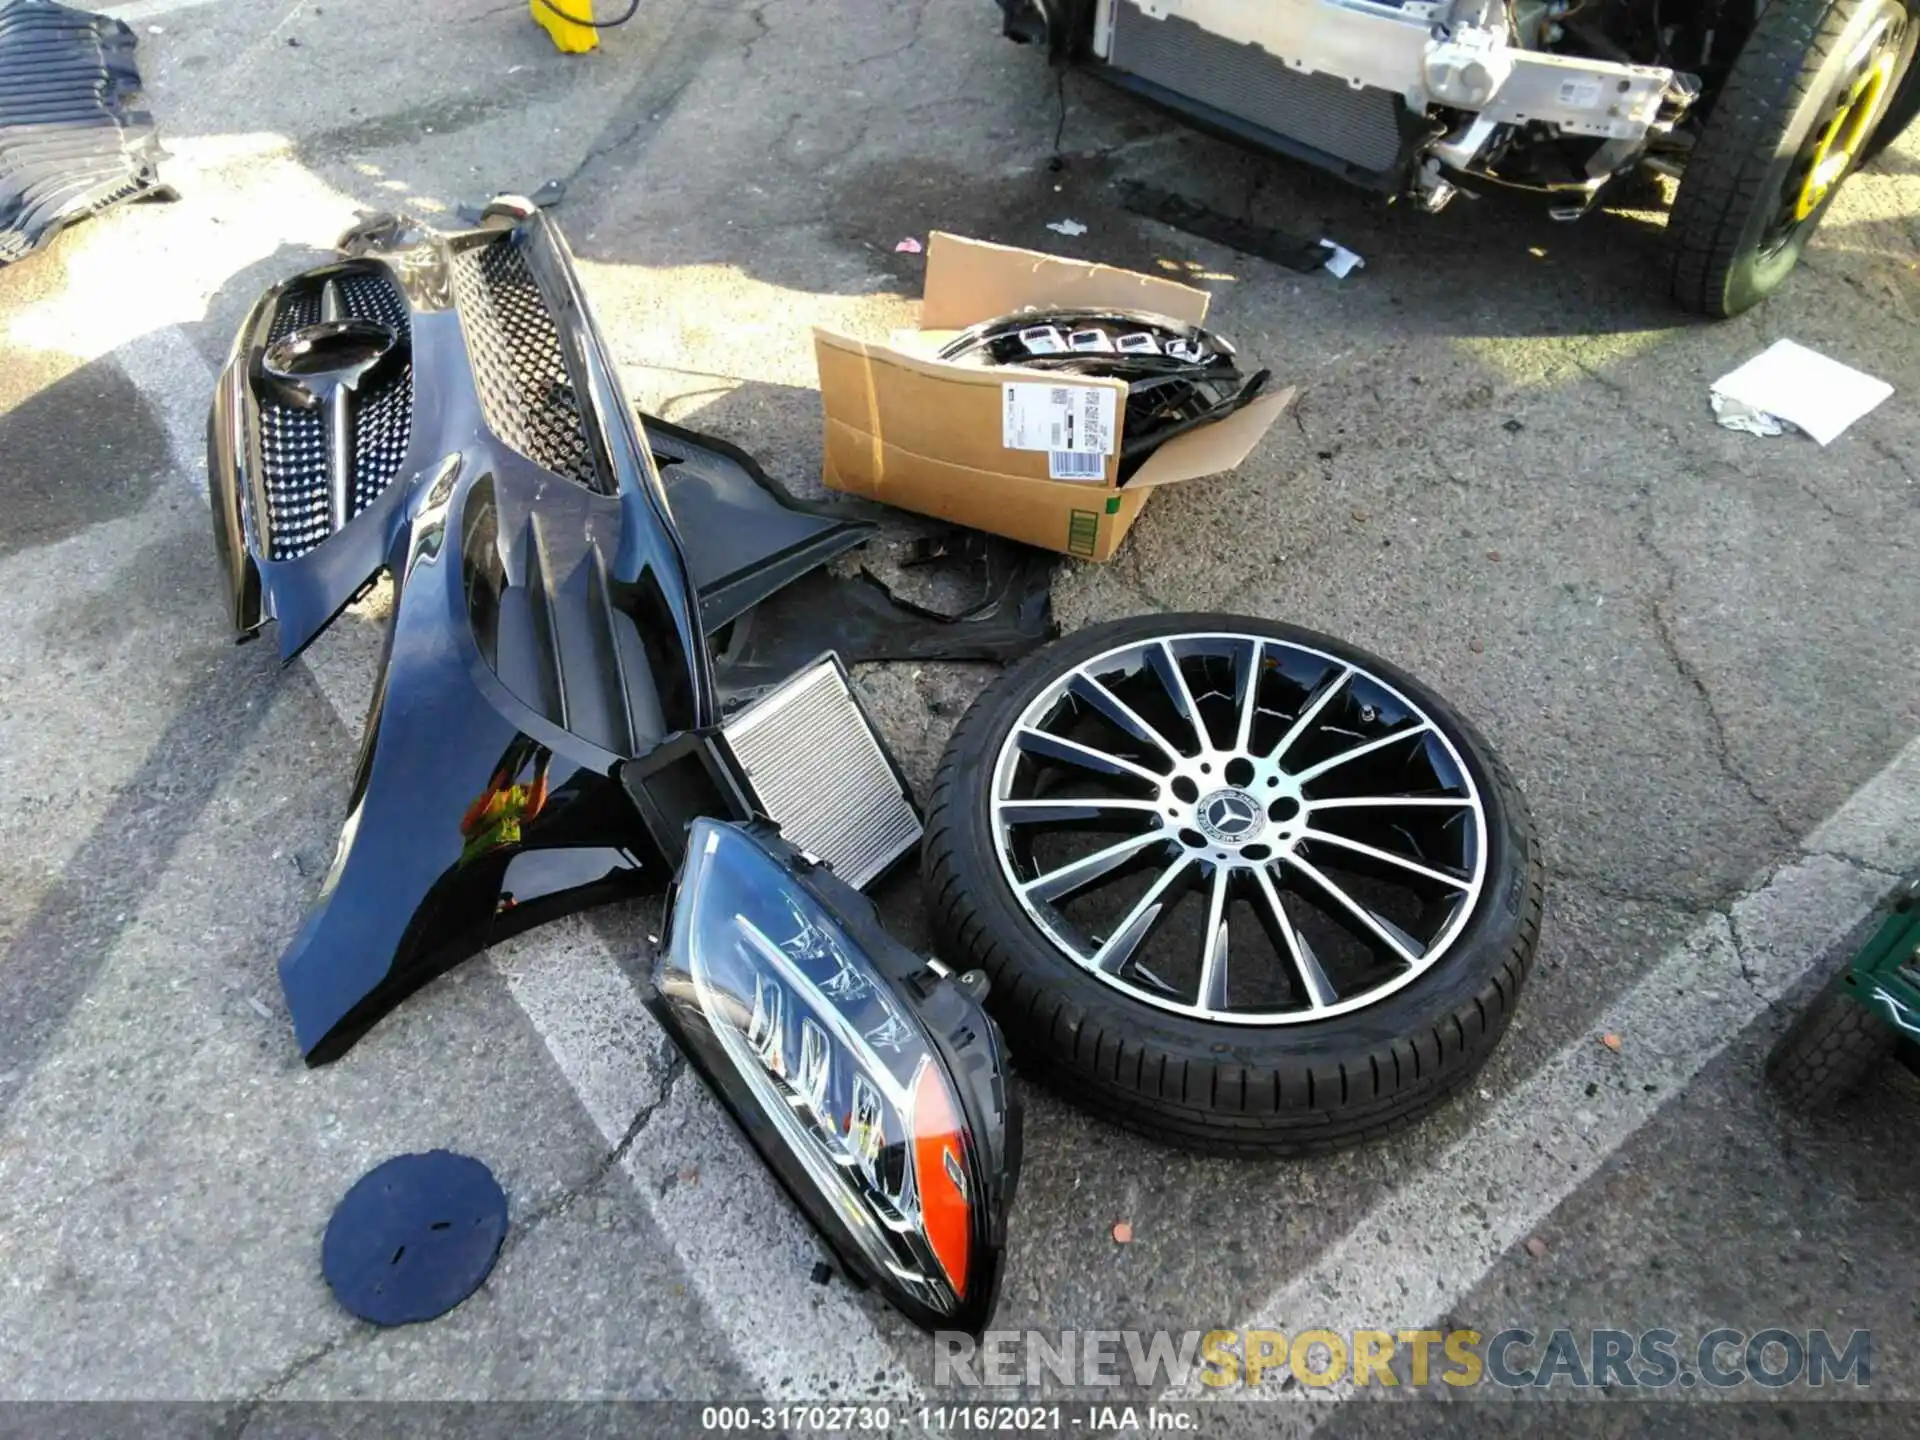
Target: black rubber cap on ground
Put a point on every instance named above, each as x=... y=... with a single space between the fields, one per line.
x=414 y=1237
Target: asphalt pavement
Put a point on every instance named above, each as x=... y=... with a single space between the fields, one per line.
x=1696 y=649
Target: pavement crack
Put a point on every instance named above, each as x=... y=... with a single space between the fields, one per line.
x=676 y=1067
x=758 y=17
x=1606 y=382
x=522 y=1230
x=1831 y=510
x=518 y=7
x=1636 y=408
x=243 y=1418
x=1717 y=742
x=651 y=114
x=565 y=1200
x=1870 y=866
x=1120 y=148
x=1893 y=457
x=913 y=39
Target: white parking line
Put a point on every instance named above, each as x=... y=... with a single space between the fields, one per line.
x=746 y=1253
x=1418 y=1252
x=744 y=1250
x=1409 y=1260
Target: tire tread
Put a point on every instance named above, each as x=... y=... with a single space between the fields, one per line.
x=1829 y=1052
x=1728 y=169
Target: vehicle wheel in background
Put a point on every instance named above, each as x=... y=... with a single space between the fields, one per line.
x=1796 y=116
x=1830 y=1051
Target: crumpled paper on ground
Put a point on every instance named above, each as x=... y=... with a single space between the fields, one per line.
x=1787 y=386
x=1736 y=415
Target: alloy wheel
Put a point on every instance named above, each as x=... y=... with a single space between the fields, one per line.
x=1239 y=829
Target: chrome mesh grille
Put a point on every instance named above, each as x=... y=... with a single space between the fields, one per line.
x=817 y=769
x=382 y=426
x=518 y=369
x=370 y=296
x=294 y=442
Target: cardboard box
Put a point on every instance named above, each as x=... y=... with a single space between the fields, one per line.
x=908 y=429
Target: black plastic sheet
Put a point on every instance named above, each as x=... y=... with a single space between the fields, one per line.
x=73 y=137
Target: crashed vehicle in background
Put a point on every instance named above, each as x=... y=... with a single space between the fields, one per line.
x=1760 y=111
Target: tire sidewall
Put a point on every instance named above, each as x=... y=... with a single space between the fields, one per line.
x=1753 y=277
x=1482 y=947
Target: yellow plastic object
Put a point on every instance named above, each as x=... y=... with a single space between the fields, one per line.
x=1845 y=137
x=571 y=38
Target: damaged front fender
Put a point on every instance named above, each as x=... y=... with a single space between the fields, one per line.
x=472 y=816
x=468 y=435
x=544 y=732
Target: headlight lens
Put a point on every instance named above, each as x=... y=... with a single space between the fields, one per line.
x=865 y=1079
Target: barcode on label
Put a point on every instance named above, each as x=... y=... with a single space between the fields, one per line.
x=1072 y=465
x=1060 y=419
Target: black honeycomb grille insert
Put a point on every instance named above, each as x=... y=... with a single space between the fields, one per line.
x=518 y=368
x=75 y=136
x=374 y=296
x=382 y=426
x=294 y=442
x=383 y=412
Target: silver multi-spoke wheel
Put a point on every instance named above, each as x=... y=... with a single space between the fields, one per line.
x=1241 y=887
x=1238 y=828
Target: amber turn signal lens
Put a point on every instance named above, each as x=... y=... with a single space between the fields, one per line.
x=940 y=1168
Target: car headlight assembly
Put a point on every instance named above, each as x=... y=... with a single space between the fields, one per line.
x=870 y=1081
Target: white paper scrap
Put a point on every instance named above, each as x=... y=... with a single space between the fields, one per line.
x=1342 y=262
x=1802 y=387
x=1067 y=227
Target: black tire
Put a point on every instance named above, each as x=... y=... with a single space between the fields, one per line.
x=1830 y=1051
x=1206 y=1085
x=1726 y=253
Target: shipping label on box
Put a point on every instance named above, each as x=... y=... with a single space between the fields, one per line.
x=1073 y=424
x=962 y=443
